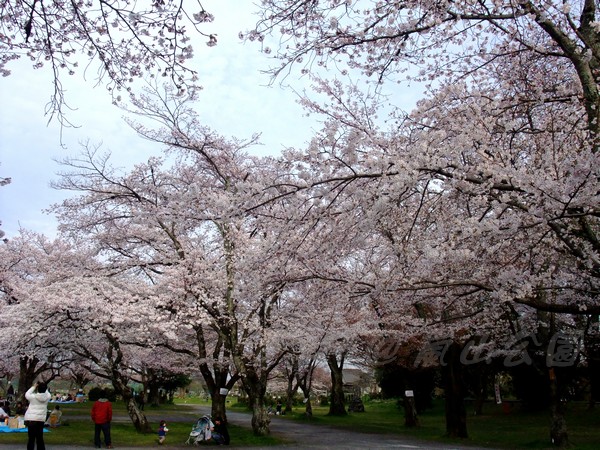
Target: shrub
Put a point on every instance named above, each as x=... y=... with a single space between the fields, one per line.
x=98 y=392
x=323 y=400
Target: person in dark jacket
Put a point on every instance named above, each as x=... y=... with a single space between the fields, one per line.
x=20 y=409
x=102 y=416
x=162 y=432
x=220 y=434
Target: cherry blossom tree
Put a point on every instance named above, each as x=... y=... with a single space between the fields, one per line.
x=69 y=308
x=3 y=182
x=125 y=40
x=450 y=39
x=298 y=366
x=513 y=122
x=440 y=224
x=193 y=228
x=32 y=351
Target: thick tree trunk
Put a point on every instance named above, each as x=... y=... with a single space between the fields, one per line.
x=138 y=418
x=337 y=406
x=218 y=405
x=260 y=418
x=218 y=377
x=216 y=380
x=28 y=372
x=255 y=386
x=456 y=413
x=558 y=426
x=153 y=396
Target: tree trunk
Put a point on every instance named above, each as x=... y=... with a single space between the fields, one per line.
x=291 y=387
x=456 y=413
x=218 y=405
x=138 y=418
x=308 y=405
x=479 y=389
x=28 y=372
x=411 y=418
x=304 y=382
x=594 y=377
x=153 y=396
x=558 y=426
x=255 y=386
x=260 y=418
x=592 y=349
x=217 y=378
x=337 y=406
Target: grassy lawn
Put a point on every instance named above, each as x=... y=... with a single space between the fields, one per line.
x=79 y=430
x=495 y=428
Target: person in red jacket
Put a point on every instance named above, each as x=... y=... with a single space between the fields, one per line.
x=102 y=416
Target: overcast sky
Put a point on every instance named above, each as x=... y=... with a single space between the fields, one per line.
x=235 y=101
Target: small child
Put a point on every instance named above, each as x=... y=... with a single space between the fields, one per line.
x=162 y=431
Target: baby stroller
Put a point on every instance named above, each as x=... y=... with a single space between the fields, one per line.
x=200 y=431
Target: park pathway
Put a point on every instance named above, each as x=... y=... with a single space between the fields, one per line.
x=300 y=436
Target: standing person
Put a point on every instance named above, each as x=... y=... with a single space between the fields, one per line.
x=162 y=432
x=35 y=416
x=102 y=416
x=141 y=400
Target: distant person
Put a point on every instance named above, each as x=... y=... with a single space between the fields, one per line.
x=162 y=432
x=141 y=400
x=54 y=419
x=20 y=409
x=102 y=416
x=3 y=414
x=7 y=409
x=35 y=416
x=219 y=432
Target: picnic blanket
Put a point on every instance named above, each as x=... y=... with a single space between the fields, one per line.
x=6 y=429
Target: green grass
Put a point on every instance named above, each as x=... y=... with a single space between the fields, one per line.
x=495 y=428
x=79 y=430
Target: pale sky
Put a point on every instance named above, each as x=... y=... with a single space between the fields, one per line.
x=235 y=101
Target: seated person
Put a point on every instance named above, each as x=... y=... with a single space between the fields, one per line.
x=220 y=434
x=54 y=418
x=20 y=409
x=3 y=415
